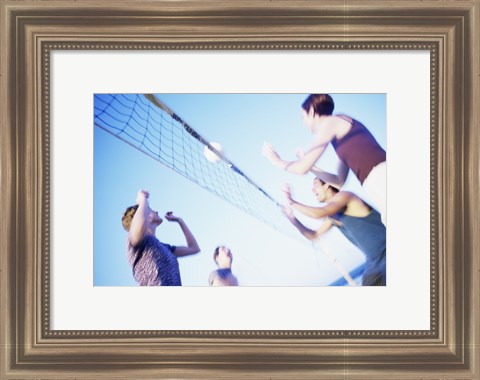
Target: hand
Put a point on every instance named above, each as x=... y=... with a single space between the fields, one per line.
x=172 y=218
x=287 y=191
x=142 y=196
x=269 y=151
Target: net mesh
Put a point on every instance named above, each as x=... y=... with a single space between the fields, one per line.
x=145 y=123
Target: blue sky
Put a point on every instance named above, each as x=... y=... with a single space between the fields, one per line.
x=241 y=123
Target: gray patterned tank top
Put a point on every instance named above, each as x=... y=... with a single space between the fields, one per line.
x=154 y=263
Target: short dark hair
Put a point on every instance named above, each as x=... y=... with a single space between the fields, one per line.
x=322 y=104
x=128 y=216
x=334 y=188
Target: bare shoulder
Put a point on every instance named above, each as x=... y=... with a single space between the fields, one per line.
x=351 y=196
x=332 y=121
x=211 y=278
x=134 y=239
x=341 y=124
x=343 y=194
x=343 y=117
x=341 y=199
x=357 y=206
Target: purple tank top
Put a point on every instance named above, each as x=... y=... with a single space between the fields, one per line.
x=359 y=150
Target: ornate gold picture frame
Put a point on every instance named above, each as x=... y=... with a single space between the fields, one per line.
x=31 y=30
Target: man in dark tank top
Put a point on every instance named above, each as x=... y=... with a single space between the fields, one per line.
x=359 y=222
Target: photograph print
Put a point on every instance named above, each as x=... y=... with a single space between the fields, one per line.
x=240 y=189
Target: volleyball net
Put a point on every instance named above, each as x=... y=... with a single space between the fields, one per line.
x=147 y=124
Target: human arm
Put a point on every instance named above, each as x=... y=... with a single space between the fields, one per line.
x=307 y=232
x=300 y=166
x=323 y=135
x=337 y=179
x=192 y=245
x=139 y=225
